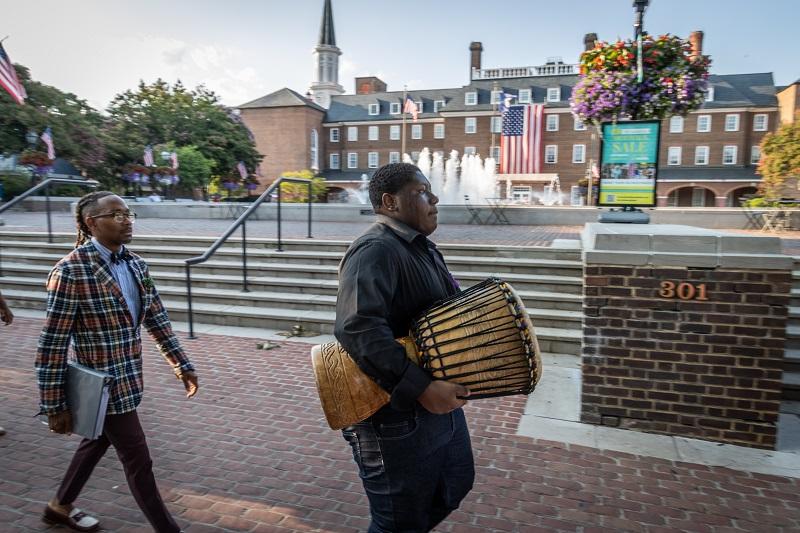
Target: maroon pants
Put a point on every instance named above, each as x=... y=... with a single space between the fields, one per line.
x=125 y=433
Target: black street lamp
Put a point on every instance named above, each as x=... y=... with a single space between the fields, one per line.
x=638 y=23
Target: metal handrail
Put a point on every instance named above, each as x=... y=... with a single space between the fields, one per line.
x=241 y=222
x=46 y=186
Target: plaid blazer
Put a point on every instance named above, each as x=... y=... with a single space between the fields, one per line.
x=85 y=307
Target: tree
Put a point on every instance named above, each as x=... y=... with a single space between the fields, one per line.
x=780 y=158
x=159 y=113
x=77 y=128
x=298 y=192
x=194 y=168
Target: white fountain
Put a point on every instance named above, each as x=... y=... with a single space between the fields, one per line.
x=360 y=195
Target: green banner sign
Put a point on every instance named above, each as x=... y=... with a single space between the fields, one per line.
x=629 y=163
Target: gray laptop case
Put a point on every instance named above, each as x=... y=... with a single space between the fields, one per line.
x=87 y=399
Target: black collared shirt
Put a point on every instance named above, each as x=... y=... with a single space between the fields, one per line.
x=389 y=275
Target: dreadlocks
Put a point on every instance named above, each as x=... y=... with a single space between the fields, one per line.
x=86 y=206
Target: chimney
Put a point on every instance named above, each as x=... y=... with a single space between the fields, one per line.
x=696 y=40
x=588 y=41
x=475 y=50
x=370 y=85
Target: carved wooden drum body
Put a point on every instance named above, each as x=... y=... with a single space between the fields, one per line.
x=481 y=338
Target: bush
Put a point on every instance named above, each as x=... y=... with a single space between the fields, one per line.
x=14 y=185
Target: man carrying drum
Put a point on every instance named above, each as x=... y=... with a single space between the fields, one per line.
x=414 y=455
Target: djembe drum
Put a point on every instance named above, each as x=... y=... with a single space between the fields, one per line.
x=481 y=338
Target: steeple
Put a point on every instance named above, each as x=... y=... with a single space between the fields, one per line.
x=326 y=34
x=327 y=55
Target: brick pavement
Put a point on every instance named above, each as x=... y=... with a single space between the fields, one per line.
x=252 y=453
x=446 y=233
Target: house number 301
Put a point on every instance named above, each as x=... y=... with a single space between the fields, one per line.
x=683 y=290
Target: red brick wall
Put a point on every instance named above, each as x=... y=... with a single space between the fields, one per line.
x=703 y=369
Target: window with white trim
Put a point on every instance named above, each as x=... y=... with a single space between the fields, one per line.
x=755 y=154
x=314 y=151
x=524 y=96
x=374 y=109
x=438 y=131
x=701 y=155
x=497 y=124
x=420 y=109
x=676 y=124
x=394 y=157
x=578 y=153
x=334 y=161
x=551 y=154
x=729 y=155
x=352 y=133
x=521 y=194
x=494 y=152
x=416 y=131
x=469 y=150
x=760 y=122
x=394 y=132
x=372 y=133
x=394 y=108
x=552 y=122
x=732 y=122
x=703 y=123
x=438 y=105
x=334 y=135
x=372 y=159
x=579 y=125
x=470 y=124
x=471 y=98
x=554 y=94
x=710 y=94
x=496 y=97
x=674 y=155
x=352 y=160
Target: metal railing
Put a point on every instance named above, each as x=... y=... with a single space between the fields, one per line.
x=46 y=186
x=241 y=221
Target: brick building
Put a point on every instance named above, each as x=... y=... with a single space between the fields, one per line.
x=707 y=158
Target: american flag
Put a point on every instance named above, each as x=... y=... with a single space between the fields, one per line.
x=47 y=139
x=521 y=141
x=411 y=107
x=174 y=158
x=242 y=169
x=148 y=157
x=8 y=78
x=505 y=102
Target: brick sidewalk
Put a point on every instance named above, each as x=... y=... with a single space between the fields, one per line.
x=252 y=453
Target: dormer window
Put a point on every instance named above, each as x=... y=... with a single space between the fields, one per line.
x=710 y=94
x=554 y=94
x=496 y=96
x=524 y=96
x=374 y=109
x=419 y=106
x=438 y=105
x=394 y=108
x=471 y=98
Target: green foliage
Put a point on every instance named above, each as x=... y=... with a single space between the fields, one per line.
x=78 y=130
x=194 y=168
x=14 y=185
x=298 y=192
x=780 y=158
x=159 y=113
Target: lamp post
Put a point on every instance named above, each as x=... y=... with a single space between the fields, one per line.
x=638 y=22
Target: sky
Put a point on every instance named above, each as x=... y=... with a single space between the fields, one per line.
x=245 y=49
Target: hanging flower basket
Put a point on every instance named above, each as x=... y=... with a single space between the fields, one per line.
x=674 y=81
x=134 y=173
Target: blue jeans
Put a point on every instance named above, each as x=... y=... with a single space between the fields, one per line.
x=416 y=467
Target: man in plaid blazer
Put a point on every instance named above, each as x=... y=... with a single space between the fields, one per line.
x=98 y=296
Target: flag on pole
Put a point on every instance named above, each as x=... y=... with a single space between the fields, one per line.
x=47 y=139
x=9 y=79
x=411 y=107
x=148 y=156
x=174 y=158
x=521 y=140
x=242 y=169
x=505 y=102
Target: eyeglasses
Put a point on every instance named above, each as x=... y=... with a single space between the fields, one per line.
x=119 y=216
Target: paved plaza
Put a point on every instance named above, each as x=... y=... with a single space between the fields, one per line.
x=252 y=451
